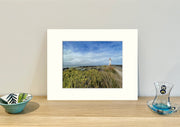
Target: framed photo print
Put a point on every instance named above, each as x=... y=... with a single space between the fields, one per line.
x=92 y=64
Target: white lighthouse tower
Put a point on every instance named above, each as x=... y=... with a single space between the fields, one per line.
x=109 y=61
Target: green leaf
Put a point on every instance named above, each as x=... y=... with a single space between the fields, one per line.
x=21 y=97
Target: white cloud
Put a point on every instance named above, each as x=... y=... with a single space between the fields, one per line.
x=78 y=59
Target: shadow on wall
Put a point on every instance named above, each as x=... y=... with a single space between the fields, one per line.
x=40 y=74
x=173 y=77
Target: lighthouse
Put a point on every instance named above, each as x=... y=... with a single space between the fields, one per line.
x=109 y=61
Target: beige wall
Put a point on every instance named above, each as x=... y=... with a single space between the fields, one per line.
x=23 y=25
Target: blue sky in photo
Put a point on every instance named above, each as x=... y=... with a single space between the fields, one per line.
x=91 y=53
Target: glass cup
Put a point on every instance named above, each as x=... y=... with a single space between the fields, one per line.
x=162 y=98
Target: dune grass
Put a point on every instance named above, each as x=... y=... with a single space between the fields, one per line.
x=91 y=77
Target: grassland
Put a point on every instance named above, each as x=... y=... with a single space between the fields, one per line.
x=93 y=77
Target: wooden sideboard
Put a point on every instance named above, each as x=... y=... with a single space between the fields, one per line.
x=40 y=112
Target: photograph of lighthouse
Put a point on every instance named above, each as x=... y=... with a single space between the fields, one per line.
x=92 y=64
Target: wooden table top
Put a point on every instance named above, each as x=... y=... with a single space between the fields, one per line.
x=40 y=112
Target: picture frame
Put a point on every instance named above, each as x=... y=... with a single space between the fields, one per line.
x=79 y=38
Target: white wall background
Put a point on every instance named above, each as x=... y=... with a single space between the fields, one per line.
x=23 y=25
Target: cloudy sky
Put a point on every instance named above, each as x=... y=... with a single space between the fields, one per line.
x=87 y=53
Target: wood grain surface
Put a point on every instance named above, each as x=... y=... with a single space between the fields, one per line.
x=40 y=112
